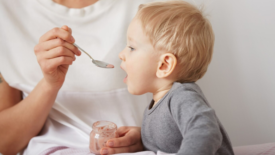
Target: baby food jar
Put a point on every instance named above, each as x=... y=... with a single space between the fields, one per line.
x=101 y=133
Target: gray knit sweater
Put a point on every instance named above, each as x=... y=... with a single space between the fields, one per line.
x=182 y=122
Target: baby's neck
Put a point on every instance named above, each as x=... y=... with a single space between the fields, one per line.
x=160 y=92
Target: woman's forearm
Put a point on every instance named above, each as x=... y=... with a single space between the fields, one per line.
x=21 y=122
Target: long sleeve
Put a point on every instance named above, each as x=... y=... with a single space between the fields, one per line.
x=198 y=124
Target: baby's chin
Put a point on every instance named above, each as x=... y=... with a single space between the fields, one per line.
x=135 y=91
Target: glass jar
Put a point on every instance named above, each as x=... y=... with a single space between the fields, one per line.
x=101 y=133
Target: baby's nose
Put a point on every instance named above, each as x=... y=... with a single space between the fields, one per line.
x=121 y=56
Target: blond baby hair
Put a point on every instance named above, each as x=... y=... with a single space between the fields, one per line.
x=179 y=28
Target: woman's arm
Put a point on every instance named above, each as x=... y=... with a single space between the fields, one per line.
x=8 y=95
x=22 y=120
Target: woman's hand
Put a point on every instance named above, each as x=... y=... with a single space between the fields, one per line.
x=55 y=53
x=129 y=140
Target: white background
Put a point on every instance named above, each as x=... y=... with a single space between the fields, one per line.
x=240 y=81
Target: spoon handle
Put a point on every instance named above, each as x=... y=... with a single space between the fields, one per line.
x=82 y=50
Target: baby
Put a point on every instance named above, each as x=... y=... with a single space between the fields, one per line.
x=169 y=47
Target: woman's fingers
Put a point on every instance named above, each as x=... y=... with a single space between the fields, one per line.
x=57 y=33
x=51 y=44
x=66 y=28
x=59 y=51
x=50 y=65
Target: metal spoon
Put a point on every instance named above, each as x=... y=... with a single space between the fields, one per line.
x=96 y=62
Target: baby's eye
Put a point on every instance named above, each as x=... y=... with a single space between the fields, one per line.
x=131 y=48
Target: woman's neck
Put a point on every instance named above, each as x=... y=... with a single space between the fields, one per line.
x=75 y=3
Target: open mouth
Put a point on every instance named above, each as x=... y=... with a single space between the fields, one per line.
x=125 y=79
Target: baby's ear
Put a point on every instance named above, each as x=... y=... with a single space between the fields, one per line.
x=166 y=65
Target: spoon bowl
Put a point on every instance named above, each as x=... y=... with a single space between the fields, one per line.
x=98 y=63
x=102 y=64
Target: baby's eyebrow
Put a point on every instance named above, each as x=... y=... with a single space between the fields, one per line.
x=132 y=40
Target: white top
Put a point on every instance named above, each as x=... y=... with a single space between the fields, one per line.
x=89 y=93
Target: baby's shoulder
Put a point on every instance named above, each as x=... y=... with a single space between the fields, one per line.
x=187 y=92
x=187 y=97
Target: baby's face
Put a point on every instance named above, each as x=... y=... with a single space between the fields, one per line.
x=139 y=60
